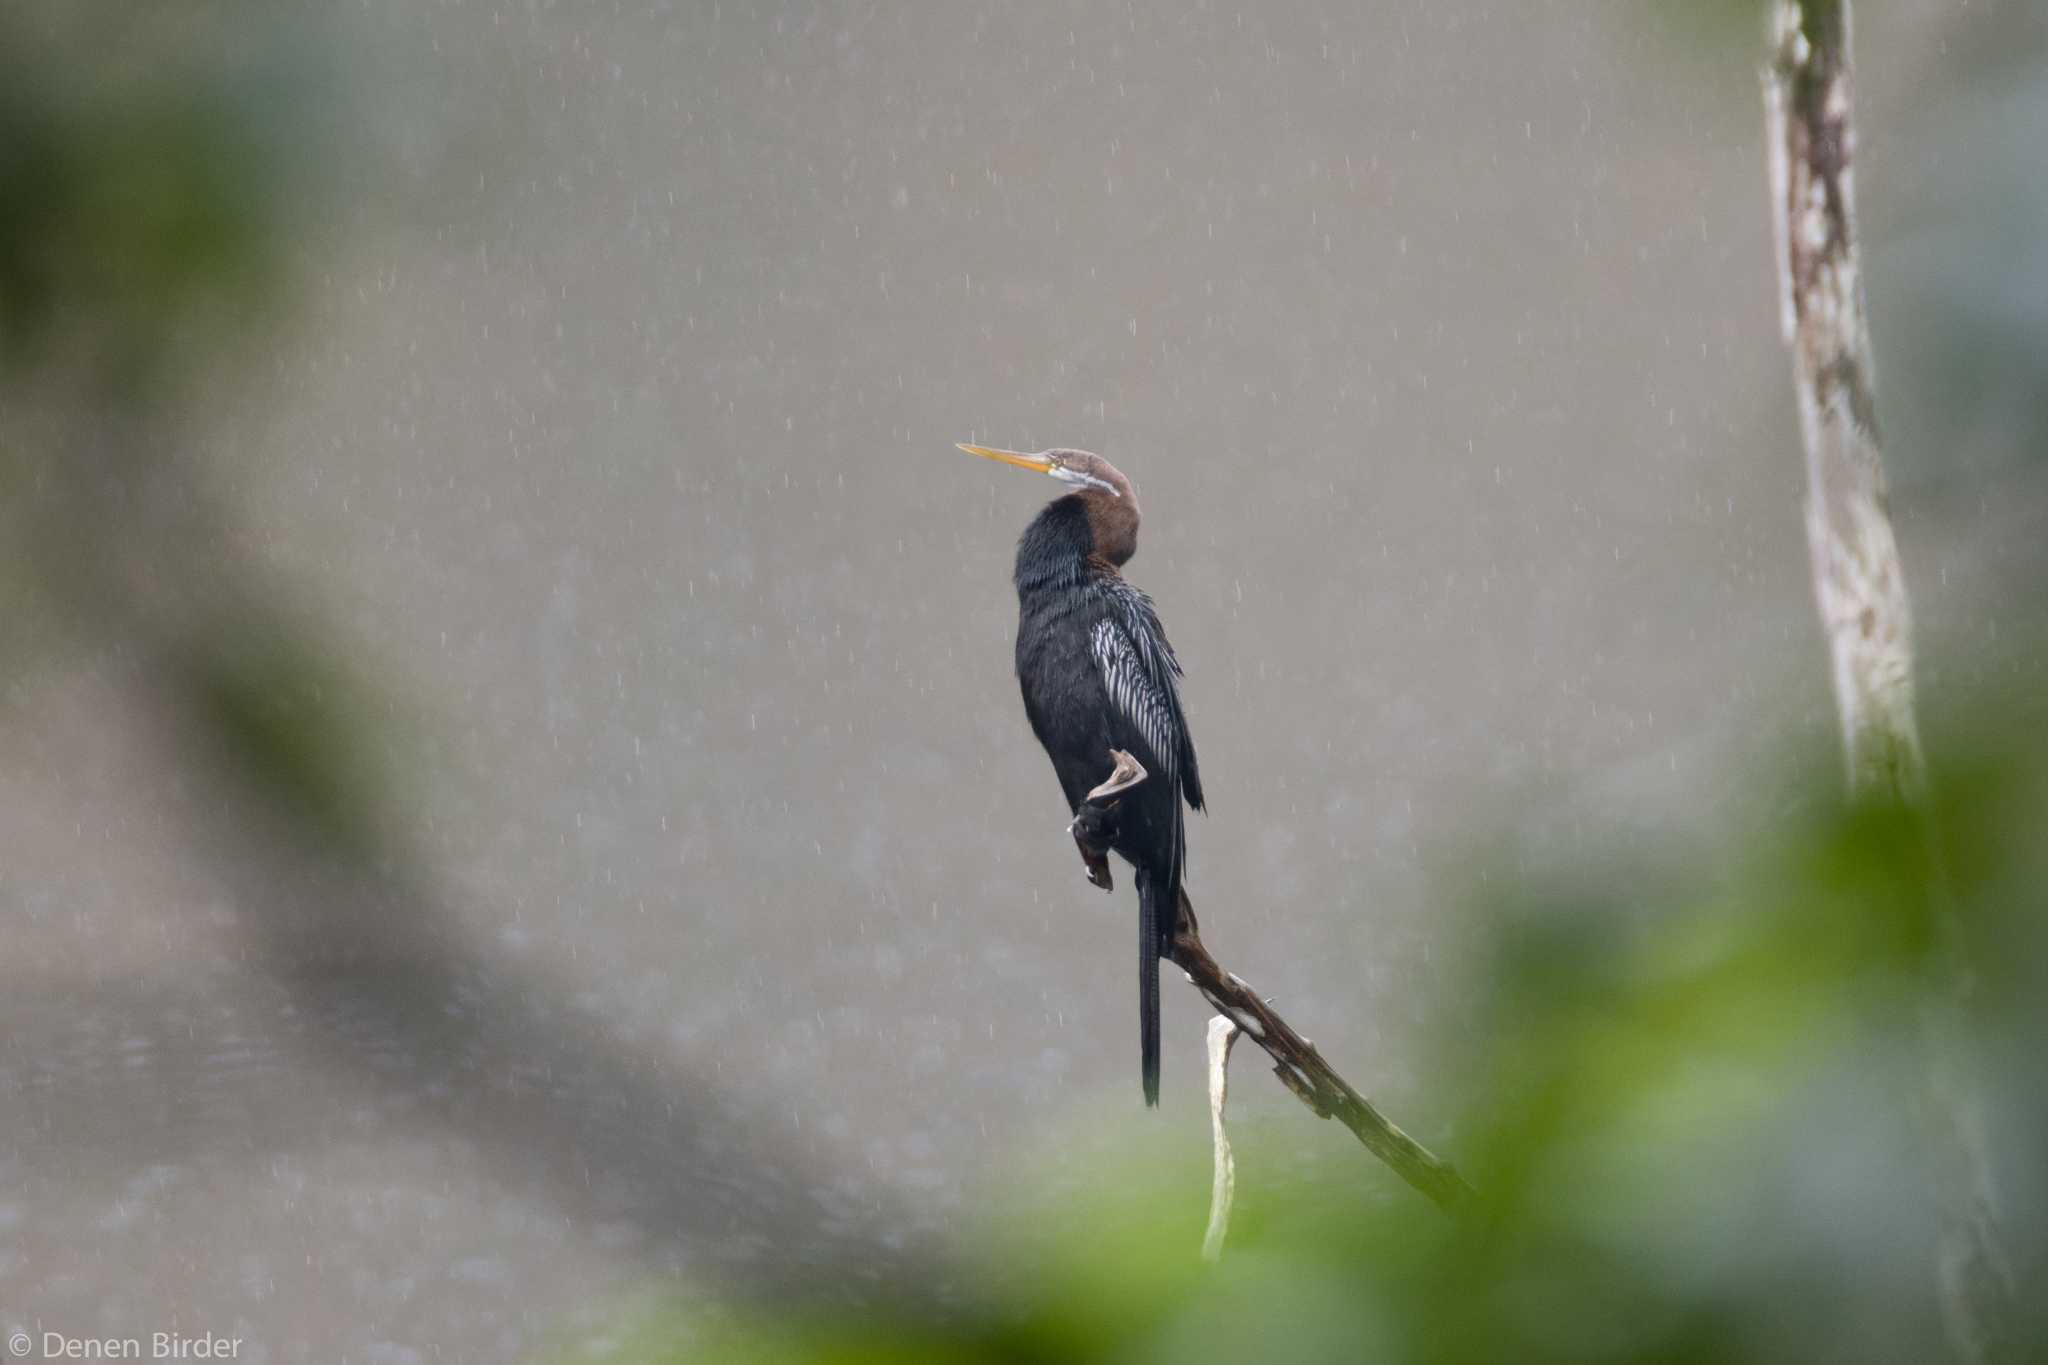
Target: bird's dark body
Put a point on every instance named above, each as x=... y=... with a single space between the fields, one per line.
x=1062 y=594
x=1097 y=674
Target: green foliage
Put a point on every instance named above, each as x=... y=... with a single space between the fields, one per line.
x=129 y=209
x=294 y=724
x=143 y=186
x=156 y=163
x=1697 y=1113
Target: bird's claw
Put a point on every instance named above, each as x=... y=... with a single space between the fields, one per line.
x=1094 y=830
x=1094 y=825
x=1097 y=868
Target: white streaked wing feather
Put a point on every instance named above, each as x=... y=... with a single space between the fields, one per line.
x=1134 y=693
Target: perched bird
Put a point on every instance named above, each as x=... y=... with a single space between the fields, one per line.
x=1098 y=674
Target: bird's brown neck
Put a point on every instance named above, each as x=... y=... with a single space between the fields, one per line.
x=1112 y=526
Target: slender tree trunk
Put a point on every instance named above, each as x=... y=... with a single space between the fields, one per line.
x=1857 y=576
x=1860 y=589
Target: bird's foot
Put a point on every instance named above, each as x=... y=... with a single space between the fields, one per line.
x=1125 y=773
x=1094 y=827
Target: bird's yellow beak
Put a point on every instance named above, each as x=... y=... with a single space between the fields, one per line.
x=1038 y=463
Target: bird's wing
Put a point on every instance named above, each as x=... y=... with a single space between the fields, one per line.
x=1142 y=675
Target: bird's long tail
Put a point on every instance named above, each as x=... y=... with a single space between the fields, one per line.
x=1157 y=907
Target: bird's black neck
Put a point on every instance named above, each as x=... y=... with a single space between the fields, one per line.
x=1057 y=550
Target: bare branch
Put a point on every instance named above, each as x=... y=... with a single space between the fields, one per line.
x=1314 y=1081
x=1297 y=1063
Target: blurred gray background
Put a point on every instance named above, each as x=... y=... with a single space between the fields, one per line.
x=612 y=439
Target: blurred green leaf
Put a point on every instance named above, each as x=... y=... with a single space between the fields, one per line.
x=294 y=724
x=151 y=184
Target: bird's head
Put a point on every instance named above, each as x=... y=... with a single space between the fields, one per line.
x=1078 y=469
x=1111 y=502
